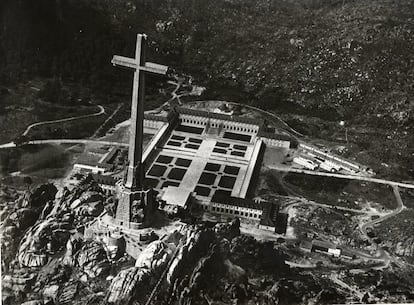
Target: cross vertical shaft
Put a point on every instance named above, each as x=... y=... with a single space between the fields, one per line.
x=135 y=172
x=133 y=190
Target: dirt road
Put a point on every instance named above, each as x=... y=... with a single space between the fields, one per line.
x=101 y=111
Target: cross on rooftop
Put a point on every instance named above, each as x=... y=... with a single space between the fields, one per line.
x=135 y=171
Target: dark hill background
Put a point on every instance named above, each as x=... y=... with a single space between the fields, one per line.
x=327 y=60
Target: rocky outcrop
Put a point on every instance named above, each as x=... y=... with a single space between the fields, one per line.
x=115 y=246
x=67 y=293
x=228 y=230
x=22 y=214
x=51 y=292
x=40 y=196
x=194 y=244
x=128 y=283
x=93 y=260
x=33 y=259
x=205 y=270
x=86 y=191
x=23 y=218
x=90 y=203
x=73 y=245
x=93 y=209
x=52 y=228
x=55 y=226
x=235 y=273
x=44 y=239
x=201 y=262
x=256 y=255
x=124 y=286
x=154 y=256
x=90 y=257
x=87 y=197
x=18 y=281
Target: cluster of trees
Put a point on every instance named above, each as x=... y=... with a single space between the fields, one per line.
x=54 y=92
x=72 y=40
x=254 y=47
x=274 y=54
x=336 y=60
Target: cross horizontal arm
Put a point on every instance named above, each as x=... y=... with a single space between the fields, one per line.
x=124 y=61
x=155 y=68
x=131 y=63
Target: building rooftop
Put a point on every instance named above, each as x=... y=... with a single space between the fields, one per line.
x=102 y=179
x=269 y=214
x=219 y=116
x=176 y=196
x=323 y=244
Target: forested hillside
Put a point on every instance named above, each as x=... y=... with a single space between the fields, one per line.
x=330 y=60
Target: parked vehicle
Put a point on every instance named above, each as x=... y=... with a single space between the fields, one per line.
x=305 y=163
x=330 y=166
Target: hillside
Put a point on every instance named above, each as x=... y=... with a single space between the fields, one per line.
x=314 y=62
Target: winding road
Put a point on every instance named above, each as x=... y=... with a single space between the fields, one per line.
x=381 y=254
x=101 y=111
x=395 y=212
x=274 y=116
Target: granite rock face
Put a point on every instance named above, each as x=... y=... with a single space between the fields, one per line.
x=124 y=286
x=44 y=239
x=57 y=222
x=49 y=260
x=228 y=230
x=73 y=245
x=22 y=214
x=154 y=256
x=18 y=281
x=195 y=241
x=128 y=283
x=67 y=292
x=93 y=260
x=90 y=203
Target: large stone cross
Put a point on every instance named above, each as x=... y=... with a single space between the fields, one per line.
x=135 y=171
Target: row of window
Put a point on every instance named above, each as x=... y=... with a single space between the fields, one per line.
x=231 y=211
x=279 y=143
x=230 y=127
x=108 y=191
x=148 y=123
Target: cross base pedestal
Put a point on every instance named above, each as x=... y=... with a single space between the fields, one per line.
x=136 y=208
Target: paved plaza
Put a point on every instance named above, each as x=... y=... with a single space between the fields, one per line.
x=201 y=162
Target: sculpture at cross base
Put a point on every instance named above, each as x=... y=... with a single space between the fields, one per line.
x=135 y=203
